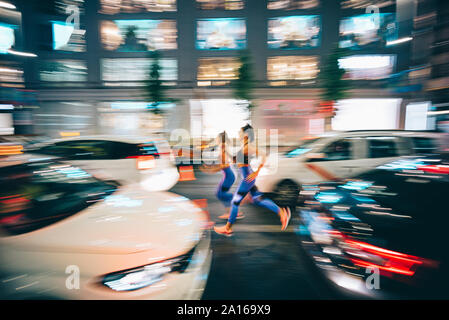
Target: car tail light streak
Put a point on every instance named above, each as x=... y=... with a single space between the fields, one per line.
x=145 y=162
x=435 y=169
x=387 y=261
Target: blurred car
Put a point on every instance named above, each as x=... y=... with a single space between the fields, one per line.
x=391 y=221
x=206 y=152
x=125 y=159
x=337 y=155
x=67 y=235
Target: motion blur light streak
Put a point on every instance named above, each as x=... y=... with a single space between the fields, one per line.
x=7 y=5
x=399 y=41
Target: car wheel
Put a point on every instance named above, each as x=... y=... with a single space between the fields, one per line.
x=286 y=193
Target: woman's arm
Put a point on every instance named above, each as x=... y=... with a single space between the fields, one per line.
x=258 y=153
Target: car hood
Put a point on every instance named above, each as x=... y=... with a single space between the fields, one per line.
x=400 y=229
x=131 y=220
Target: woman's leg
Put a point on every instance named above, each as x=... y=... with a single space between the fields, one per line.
x=241 y=192
x=225 y=185
x=284 y=213
x=265 y=203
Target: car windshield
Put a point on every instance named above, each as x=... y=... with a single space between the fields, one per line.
x=36 y=195
x=418 y=193
x=303 y=148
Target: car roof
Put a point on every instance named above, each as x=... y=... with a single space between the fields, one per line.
x=128 y=139
x=363 y=133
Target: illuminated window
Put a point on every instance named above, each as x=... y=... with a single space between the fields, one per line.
x=363 y=4
x=7 y=37
x=10 y=30
x=131 y=72
x=217 y=71
x=364 y=30
x=292 y=68
x=139 y=35
x=63 y=71
x=220 y=4
x=130 y=6
x=292 y=4
x=221 y=34
x=367 y=67
x=62 y=5
x=294 y=32
x=67 y=38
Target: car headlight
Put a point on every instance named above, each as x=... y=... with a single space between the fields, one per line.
x=148 y=275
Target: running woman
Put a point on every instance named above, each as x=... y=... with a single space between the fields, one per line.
x=247 y=185
x=225 y=160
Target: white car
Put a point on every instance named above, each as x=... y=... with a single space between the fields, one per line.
x=67 y=235
x=127 y=159
x=337 y=155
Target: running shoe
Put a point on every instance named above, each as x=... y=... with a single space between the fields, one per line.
x=285 y=217
x=225 y=216
x=223 y=230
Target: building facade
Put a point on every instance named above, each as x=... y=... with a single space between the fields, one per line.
x=93 y=56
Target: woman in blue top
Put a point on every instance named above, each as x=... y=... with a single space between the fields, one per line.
x=247 y=185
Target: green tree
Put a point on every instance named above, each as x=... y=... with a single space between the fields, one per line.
x=244 y=84
x=154 y=88
x=334 y=87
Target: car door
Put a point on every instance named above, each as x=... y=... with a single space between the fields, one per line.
x=336 y=159
x=378 y=150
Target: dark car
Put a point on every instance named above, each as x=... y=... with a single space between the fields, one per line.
x=384 y=233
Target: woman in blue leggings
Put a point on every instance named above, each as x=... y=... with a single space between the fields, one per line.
x=247 y=185
x=228 y=180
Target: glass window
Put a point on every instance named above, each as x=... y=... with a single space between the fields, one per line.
x=382 y=147
x=224 y=69
x=292 y=68
x=367 y=67
x=7 y=37
x=294 y=32
x=80 y=150
x=63 y=71
x=128 y=72
x=363 y=4
x=292 y=4
x=338 y=150
x=131 y=6
x=424 y=145
x=220 y=4
x=364 y=31
x=139 y=35
x=418 y=196
x=45 y=193
x=221 y=34
x=67 y=38
x=61 y=6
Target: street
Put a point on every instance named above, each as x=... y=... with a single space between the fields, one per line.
x=259 y=261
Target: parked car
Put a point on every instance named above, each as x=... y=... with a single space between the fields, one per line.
x=126 y=159
x=67 y=235
x=337 y=155
x=390 y=222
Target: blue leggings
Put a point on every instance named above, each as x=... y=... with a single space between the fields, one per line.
x=243 y=190
x=225 y=185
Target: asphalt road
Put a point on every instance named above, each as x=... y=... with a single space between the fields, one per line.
x=259 y=261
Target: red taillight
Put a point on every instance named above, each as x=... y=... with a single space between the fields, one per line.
x=145 y=162
x=435 y=169
x=387 y=261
